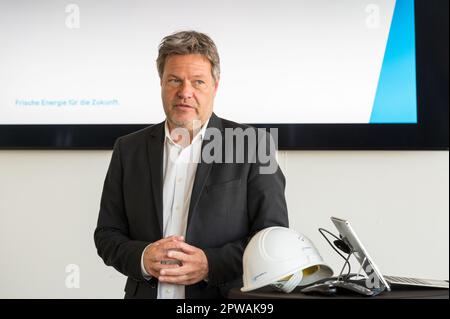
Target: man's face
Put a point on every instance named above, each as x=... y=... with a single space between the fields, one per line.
x=187 y=89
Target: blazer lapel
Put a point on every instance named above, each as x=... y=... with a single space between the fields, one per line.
x=155 y=157
x=202 y=172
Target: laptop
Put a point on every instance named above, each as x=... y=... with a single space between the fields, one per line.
x=374 y=277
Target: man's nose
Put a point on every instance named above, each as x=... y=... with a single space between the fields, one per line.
x=186 y=90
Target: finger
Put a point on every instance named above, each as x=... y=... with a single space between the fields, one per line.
x=156 y=255
x=162 y=258
x=179 y=255
x=170 y=238
x=167 y=239
x=173 y=244
x=180 y=271
x=157 y=266
x=187 y=248
x=159 y=252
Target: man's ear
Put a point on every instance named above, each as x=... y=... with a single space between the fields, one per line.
x=216 y=86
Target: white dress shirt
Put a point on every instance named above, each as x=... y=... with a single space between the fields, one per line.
x=179 y=168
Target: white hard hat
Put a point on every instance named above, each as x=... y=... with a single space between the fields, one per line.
x=282 y=258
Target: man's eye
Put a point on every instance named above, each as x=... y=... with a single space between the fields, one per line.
x=199 y=82
x=174 y=81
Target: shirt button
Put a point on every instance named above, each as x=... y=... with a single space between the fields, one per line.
x=168 y=291
x=179 y=180
x=177 y=207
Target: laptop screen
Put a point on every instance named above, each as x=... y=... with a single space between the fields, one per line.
x=374 y=277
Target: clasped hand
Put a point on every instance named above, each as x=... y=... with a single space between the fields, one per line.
x=172 y=260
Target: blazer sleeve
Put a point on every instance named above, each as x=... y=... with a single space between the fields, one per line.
x=112 y=233
x=266 y=207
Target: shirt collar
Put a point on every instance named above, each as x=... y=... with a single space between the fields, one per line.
x=200 y=135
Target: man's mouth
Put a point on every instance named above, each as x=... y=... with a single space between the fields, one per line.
x=184 y=106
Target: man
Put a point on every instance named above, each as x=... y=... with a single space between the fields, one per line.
x=175 y=224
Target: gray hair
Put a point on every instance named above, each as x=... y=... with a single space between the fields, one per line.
x=188 y=42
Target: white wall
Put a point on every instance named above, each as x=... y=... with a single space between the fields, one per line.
x=397 y=201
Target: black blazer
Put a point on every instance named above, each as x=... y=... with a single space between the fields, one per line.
x=229 y=203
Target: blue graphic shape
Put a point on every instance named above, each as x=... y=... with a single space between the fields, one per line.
x=396 y=96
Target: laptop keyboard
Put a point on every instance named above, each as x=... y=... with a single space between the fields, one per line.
x=415 y=281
